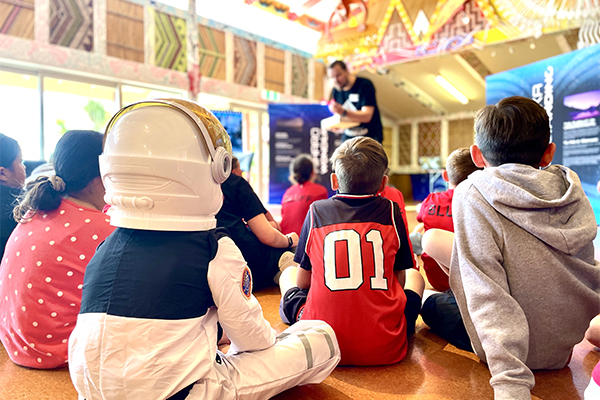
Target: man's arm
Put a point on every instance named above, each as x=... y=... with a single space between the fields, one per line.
x=481 y=286
x=267 y=234
x=363 y=115
x=272 y=221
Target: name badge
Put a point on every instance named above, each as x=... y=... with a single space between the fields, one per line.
x=353 y=97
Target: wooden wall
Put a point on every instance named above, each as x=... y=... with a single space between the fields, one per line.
x=125 y=30
x=244 y=63
x=461 y=134
x=274 y=69
x=72 y=24
x=17 y=18
x=320 y=75
x=299 y=76
x=212 y=52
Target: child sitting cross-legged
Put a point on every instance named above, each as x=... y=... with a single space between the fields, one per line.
x=522 y=267
x=354 y=260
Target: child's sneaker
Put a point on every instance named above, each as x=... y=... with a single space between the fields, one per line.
x=287 y=260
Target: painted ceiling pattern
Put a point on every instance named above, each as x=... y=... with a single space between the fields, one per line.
x=370 y=33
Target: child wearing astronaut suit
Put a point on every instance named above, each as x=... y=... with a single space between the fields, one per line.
x=160 y=288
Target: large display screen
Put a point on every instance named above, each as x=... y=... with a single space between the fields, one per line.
x=296 y=129
x=568 y=87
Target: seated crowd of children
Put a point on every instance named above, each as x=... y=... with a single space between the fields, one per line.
x=136 y=304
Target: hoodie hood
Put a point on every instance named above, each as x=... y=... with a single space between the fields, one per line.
x=548 y=203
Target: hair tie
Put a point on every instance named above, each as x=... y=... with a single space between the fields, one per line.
x=57 y=183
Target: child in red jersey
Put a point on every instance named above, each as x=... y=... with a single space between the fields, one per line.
x=298 y=198
x=436 y=211
x=355 y=257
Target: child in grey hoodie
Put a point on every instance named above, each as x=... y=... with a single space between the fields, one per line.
x=522 y=267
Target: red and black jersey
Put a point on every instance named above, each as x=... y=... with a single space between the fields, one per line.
x=436 y=211
x=353 y=245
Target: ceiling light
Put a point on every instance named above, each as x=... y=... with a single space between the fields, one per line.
x=532 y=46
x=511 y=50
x=493 y=54
x=451 y=89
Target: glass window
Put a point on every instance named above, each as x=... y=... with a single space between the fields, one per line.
x=70 y=105
x=20 y=105
x=132 y=94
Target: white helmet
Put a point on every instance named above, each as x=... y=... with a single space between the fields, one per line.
x=163 y=164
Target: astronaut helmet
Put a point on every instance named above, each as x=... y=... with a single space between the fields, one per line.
x=162 y=166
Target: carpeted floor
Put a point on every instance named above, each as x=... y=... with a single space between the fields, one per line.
x=432 y=370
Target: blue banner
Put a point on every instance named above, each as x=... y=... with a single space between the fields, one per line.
x=296 y=129
x=568 y=87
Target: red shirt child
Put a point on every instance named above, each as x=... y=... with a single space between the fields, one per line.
x=436 y=210
x=295 y=204
x=297 y=199
x=41 y=277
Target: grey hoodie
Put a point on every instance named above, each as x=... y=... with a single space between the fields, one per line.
x=523 y=270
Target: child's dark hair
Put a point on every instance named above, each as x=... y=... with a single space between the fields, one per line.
x=235 y=163
x=515 y=130
x=301 y=168
x=9 y=150
x=75 y=162
x=460 y=165
x=360 y=165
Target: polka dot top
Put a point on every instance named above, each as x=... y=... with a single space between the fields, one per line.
x=41 y=277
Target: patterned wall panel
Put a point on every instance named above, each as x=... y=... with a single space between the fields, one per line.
x=211 y=52
x=125 y=30
x=299 y=76
x=456 y=27
x=16 y=18
x=170 y=42
x=274 y=69
x=244 y=63
x=404 y=144
x=72 y=24
x=320 y=74
x=396 y=37
x=460 y=134
x=429 y=139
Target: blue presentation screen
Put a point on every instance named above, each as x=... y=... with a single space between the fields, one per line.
x=568 y=87
x=295 y=129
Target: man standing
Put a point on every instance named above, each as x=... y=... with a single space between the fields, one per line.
x=353 y=97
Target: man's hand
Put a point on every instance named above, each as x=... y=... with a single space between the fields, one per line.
x=336 y=107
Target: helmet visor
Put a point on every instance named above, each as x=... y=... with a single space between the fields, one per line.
x=216 y=133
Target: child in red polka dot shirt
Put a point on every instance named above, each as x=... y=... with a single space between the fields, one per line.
x=41 y=273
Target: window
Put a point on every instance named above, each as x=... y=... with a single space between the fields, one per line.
x=20 y=105
x=132 y=94
x=72 y=105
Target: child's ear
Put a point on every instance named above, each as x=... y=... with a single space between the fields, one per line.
x=548 y=155
x=334 y=182
x=3 y=177
x=384 y=183
x=477 y=157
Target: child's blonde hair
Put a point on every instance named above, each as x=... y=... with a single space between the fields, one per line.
x=360 y=165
